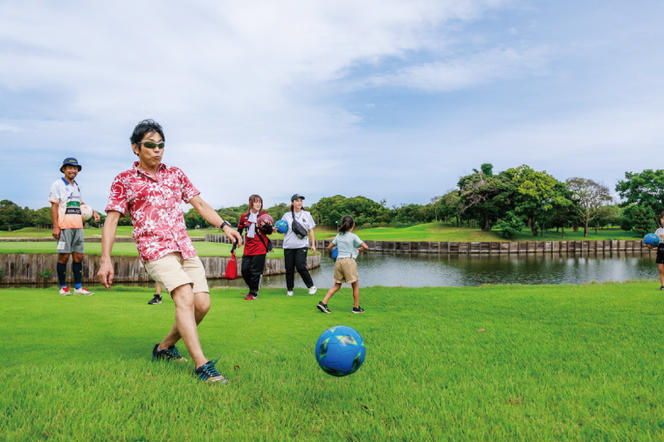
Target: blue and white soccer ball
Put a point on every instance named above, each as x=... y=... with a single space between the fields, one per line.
x=282 y=226
x=651 y=239
x=340 y=350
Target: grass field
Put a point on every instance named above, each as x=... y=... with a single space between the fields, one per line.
x=572 y=363
x=420 y=232
x=123 y=248
x=438 y=232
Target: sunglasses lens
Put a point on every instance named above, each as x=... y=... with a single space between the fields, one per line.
x=151 y=145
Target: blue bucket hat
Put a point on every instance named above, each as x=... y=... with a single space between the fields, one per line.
x=71 y=161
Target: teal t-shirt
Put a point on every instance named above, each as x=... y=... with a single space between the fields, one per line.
x=347 y=244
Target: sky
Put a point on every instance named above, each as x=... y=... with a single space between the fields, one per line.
x=392 y=100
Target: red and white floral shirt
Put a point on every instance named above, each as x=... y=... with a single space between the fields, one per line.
x=155 y=208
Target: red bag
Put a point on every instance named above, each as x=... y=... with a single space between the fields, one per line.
x=231 y=267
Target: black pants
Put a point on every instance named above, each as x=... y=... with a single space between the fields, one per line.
x=296 y=259
x=252 y=271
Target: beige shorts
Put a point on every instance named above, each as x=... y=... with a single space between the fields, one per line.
x=171 y=271
x=345 y=270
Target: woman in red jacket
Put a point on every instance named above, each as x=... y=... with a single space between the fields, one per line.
x=256 y=244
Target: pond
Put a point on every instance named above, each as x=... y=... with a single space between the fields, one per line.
x=421 y=270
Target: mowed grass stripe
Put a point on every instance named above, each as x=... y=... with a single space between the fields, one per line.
x=555 y=363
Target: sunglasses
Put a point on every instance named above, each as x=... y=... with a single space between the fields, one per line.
x=151 y=145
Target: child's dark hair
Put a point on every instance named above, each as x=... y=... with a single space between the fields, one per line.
x=145 y=127
x=347 y=223
x=661 y=214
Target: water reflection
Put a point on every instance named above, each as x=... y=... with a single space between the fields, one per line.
x=420 y=270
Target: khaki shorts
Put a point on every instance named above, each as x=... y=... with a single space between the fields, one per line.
x=345 y=270
x=171 y=271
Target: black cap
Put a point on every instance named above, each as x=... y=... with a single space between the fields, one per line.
x=71 y=161
x=296 y=196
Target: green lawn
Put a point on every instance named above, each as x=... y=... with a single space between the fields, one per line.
x=439 y=232
x=122 y=248
x=420 y=232
x=572 y=363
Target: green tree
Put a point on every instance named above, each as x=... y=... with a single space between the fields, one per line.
x=232 y=214
x=329 y=210
x=480 y=196
x=531 y=194
x=194 y=220
x=12 y=216
x=509 y=225
x=277 y=211
x=590 y=196
x=42 y=218
x=448 y=206
x=645 y=189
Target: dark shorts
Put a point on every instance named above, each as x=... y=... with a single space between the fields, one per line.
x=660 y=255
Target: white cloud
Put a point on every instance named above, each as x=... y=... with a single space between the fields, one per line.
x=464 y=71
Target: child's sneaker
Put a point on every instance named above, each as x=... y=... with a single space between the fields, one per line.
x=64 y=291
x=83 y=291
x=250 y=297
x=661 y=288
x=289 y=293
x=155 y=300
x=323 y=307
x=170 y=354
x=358 y=309
x=208 y=373
x=312 y=290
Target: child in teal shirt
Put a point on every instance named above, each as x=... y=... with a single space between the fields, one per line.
x=349 y=246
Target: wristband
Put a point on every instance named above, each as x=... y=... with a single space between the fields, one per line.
x=224 y=224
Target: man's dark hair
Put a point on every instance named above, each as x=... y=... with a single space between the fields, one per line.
x=144 y=127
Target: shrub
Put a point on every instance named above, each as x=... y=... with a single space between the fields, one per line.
x=509 y=225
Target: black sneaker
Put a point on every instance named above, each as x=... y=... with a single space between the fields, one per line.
x=323 y=307
x=170 y=354
x=358 y=309
x=662 y=287
x=208 y=373
x=155 y=300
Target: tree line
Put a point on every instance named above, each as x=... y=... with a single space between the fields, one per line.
x=508 y=202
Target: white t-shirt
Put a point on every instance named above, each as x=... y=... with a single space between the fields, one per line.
x=68 y=197
x=660 y=233
x=291 y=241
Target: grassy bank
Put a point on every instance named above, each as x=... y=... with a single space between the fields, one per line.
x=574 y=363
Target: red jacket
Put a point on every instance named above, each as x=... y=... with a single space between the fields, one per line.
x=253 y=246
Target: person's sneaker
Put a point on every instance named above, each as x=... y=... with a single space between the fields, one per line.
x=661 y=288
x=312 y=290
x=323 y=307
x=358 y=309
x=170 y=354
x=289 y=293
x=209 y=374
x=64 y=291
x=83 y=291
x=250 y=297
x=155 y=300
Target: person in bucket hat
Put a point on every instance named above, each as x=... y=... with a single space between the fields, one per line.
x=70 y=161
x=65 y=199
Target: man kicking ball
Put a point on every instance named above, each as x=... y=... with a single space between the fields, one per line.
x=153 y=194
